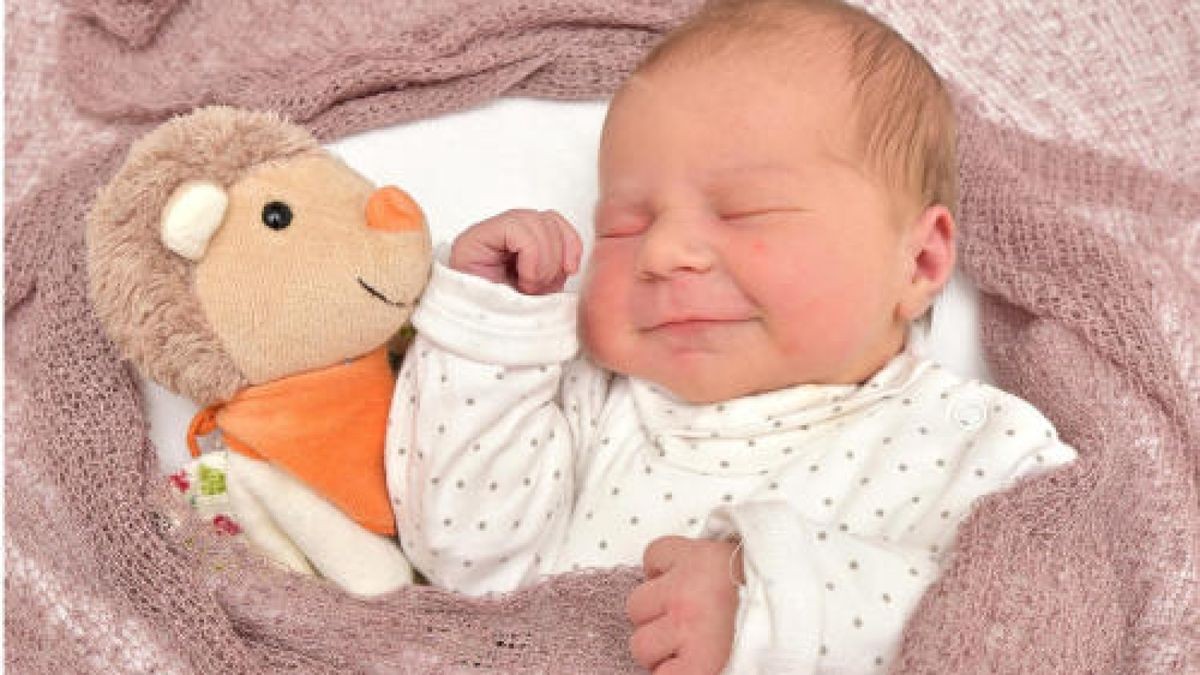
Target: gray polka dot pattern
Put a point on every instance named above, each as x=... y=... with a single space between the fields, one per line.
x=513 y=460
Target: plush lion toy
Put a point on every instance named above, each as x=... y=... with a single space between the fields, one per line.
x=236 y=262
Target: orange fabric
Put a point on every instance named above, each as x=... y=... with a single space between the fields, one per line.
x=325 y=427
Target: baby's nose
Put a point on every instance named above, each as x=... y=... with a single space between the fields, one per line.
x=390 y=209
x=671 y=246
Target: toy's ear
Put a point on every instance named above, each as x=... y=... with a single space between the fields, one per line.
x=191 y=217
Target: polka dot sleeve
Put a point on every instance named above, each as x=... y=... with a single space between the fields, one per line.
x=480 y=456
x=493 y=323
x=1013 y=441
x=819 y=599
x=826 y=597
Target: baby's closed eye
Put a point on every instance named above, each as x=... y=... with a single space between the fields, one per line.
x=749 y=212
x=614 y=220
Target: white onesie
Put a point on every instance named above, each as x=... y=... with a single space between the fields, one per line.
x=510 y=456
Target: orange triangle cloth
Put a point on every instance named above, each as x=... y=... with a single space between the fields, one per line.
x=325 y=427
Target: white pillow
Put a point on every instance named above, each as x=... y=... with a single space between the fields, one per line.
x=520 y=153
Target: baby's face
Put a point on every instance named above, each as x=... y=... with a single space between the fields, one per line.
x=739 y=247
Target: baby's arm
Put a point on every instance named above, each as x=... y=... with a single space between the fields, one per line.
x=819 y=595
x=691 y=616
x=480 y=455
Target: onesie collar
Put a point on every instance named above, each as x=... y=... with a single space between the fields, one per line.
x=757 y=433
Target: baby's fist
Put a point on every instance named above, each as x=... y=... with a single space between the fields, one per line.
x=685 y=612
x=531 y=251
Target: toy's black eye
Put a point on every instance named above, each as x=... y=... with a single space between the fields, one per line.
x=277 y=215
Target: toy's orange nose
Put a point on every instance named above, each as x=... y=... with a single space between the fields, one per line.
x=390 y=209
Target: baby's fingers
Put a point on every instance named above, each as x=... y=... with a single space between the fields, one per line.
x=537 y=257
x=646 y=602
x=545 y=265
x=654 y=643
x=570 y=243
x=699 y=654
x=491 y=247
x=674 y=666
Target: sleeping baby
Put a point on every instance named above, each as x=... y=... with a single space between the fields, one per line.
x=734 y=399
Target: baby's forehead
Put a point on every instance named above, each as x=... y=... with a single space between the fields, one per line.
x=806 y=87
x=894 y=115
x=790 y=56
x=739 y=107
x=763 y=37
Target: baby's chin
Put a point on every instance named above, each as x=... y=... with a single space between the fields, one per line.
x=690 y=387
x=693 y=394
x=697 y=389
x=699 y=377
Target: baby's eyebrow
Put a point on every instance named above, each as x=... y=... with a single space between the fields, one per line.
x=624 y=197
x=610 y=201
x=761 y=170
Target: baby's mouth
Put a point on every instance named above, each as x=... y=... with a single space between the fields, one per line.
x=373 y=291
x=692 y=328
x=696 y=321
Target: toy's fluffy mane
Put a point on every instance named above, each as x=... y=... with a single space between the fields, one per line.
x=165 y=334
x=1079 y=222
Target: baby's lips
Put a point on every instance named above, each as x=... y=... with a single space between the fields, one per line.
x=391 y=209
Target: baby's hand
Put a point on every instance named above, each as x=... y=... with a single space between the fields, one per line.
x=685 y=611
x=532 y=251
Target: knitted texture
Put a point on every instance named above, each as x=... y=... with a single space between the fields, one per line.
x=1080 y=222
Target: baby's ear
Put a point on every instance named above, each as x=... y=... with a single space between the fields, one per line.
x=930 y=250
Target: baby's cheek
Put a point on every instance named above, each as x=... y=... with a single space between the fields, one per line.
x=810 y=325
x=603 y=318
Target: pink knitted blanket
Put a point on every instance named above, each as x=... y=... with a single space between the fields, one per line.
x=1080 y=222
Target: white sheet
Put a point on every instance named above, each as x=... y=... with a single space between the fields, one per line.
x=520 y=153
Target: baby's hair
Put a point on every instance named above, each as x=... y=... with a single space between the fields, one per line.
x=905 y=116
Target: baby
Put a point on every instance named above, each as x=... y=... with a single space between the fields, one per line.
x=732 y=400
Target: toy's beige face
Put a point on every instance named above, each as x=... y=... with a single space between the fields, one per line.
x=299 y=277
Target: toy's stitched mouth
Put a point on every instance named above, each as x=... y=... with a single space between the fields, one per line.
x=381 y=296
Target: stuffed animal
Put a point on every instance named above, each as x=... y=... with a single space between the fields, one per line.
x=236 y=262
